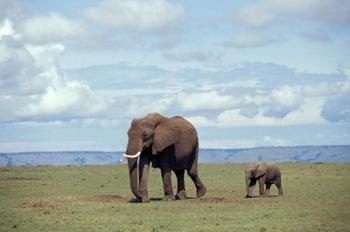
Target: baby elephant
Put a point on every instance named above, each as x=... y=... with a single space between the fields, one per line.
x=267 y=174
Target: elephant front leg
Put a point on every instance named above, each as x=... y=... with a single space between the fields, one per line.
x=181 y=192
x=250 y=186
x=262 y=186
x=168 y=188
x=201 y=189
x=143 y=178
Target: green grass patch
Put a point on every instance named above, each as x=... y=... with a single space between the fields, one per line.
x=96 y=198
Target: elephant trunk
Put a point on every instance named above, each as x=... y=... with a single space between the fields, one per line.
x=132 y=163
x=131 y=150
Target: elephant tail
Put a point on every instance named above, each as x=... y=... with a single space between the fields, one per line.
x=196 y=149
x=194 y=157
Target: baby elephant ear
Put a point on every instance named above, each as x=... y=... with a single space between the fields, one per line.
x=164 y=136
x=260 y=170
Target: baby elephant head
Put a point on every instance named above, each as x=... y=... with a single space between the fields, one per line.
x=255 y=170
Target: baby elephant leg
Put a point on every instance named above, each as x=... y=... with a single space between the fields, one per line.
x=279 y=186
x=250 y=186
x=280 y=190
x=267 y=190
x=262 y=186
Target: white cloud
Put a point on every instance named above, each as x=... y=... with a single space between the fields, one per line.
x=206 y=101
x=321 y=89
x=337 y=11
x=32 y=86
x=209 y=85
x=227 y=143
x=254 y=16
x=35 y=89
x=243 y=143
x=45 y=55
x=283 y=106
x=62 y=97
x=233 y=118
x=265 y=12
x=249 y=110
x=337 y=106
x=50 y=28
x=6 y=28
x=18 y=72
x=248 y=40
x=308 y=112
x=142 y=105
x=66 y=99
x=136 y=15
x=270 y=141
x=10 y=9
x=283 y=100
x=316 y=35
x=196 y=56
x=200 y=121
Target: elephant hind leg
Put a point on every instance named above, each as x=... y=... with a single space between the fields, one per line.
x=267 y=190
x=278 y=183
x=201 y=189
x=280 y=190
x=181 y=191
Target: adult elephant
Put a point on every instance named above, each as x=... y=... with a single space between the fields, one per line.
x=265 y=173
x=170 y=144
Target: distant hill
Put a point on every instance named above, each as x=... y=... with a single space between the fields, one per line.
x=336 y=154
x=278 y=154
x=59 y=158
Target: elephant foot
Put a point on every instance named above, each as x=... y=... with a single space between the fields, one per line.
x=181 y=195
x=168 y=197
x=139 y=200
x=264 y=195
x=144 y=200
x=248 y=196
x=134 y=200
x=201 y=191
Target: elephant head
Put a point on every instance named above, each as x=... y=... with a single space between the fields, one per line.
x=254 y=170
x=149 y=134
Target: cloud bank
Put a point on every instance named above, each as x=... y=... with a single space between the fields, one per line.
x=135 y=15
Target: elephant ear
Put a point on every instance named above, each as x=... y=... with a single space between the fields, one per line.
x=164 y=136
x=260 y=170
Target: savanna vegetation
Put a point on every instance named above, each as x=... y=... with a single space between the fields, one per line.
x=96 y=198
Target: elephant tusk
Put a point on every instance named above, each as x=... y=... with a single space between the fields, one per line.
x=124 y=156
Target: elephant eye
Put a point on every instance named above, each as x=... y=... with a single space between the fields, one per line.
x=145 y=135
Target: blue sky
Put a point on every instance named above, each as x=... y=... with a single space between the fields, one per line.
x=73 y=74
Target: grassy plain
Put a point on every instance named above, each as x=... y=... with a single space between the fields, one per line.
x=96 y=198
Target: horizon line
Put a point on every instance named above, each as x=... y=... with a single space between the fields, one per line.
x=208 y=148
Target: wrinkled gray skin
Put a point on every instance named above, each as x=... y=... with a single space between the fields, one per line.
x=170 y=144
x=266 y=174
